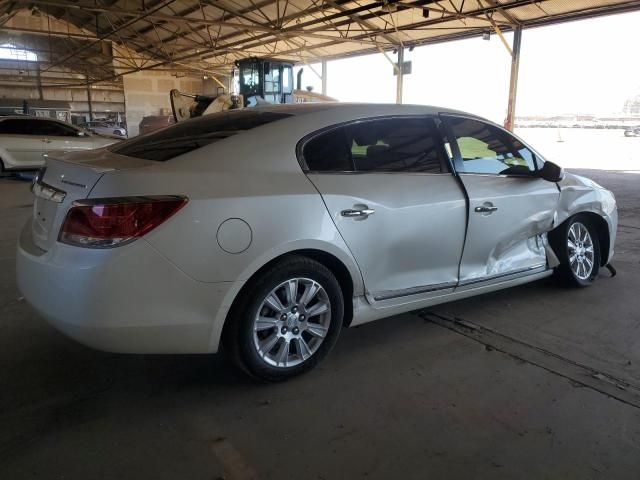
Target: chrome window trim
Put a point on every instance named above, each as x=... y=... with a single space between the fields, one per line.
x=503 y=175
x=364 y=172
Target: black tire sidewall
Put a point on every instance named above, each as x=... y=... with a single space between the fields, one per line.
x=252 y=299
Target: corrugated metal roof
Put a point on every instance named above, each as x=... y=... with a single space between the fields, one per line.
x=209 y=35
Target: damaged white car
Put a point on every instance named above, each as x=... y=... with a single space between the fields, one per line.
x=267 y=230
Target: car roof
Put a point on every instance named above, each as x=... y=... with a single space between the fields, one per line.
x=28 y=117
x=358 y=109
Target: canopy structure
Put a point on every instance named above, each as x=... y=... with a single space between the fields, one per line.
x=211 y=34
x=102 y=40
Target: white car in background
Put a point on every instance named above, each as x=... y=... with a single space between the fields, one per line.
x=24 y=140
x=105 y=128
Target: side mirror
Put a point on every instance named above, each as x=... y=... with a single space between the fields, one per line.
x=552 y=172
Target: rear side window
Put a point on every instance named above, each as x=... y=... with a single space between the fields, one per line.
x=18 y=126
x=184 y=137
x=381 y=145
x=54 y=129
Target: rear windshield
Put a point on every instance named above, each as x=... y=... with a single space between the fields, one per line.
x=184 y=137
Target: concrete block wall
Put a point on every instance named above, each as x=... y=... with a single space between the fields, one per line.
x=147 y=93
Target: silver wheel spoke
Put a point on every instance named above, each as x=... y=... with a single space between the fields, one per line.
x=309 y=294
x=588 y=262
x=292 y=292
x=303 y=348
x=283 y=353
x=268 y=344
x=318 y=309
x=316 y=330
x=571 y=244
x=274 y=302
x=265 y=323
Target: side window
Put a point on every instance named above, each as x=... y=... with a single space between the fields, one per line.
x=382 y=145
x=272 y=78
x=15 y=126
x=485 y=148
x=287 y=80
x=55 y=129
x=329 y=152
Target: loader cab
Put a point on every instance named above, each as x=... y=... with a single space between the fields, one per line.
x=265 y=79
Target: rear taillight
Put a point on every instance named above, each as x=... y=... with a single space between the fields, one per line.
x=110 y=222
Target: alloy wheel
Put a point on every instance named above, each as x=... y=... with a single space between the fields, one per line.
x=292 y=322
x=581 y=253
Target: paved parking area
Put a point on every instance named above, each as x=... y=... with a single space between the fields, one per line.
x=538 y=381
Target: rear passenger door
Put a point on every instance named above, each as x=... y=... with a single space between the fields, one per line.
x=387 y=185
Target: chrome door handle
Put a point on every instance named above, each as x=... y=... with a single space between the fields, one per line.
x=485 y=209
x=350 y=213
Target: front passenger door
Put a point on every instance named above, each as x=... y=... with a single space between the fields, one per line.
x=58 y=136
x=510 y=207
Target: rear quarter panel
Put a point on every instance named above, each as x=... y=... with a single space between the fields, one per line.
x=252 y=177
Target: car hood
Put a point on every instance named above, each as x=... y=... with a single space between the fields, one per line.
x=571 y=180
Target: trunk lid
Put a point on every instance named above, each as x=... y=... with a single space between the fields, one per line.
x=65 y=179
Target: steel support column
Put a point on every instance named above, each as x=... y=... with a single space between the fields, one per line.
x=89 y=100
x=324 y=77
x=513 y=83
x=400 y=73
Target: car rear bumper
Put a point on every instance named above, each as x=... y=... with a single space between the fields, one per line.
x=128 y=299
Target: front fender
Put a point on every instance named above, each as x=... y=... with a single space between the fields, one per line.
x=581 y=195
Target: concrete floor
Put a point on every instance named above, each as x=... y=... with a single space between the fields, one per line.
x=534 y=382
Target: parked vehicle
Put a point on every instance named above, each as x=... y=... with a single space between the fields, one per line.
x=154 y=122
x=25 y=139
x=105 y=128
x=267 y=230
x=632 y=132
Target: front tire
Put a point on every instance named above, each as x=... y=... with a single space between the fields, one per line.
x=286 y=320
x=578 y=248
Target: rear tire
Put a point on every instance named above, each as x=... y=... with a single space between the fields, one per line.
x=285 y=321
x=577 y=246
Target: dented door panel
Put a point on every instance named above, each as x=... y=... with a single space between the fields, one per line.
x=511 y=238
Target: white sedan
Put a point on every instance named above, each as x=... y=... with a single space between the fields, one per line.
x=24 y=140
x=105 y=128
x=267 y=230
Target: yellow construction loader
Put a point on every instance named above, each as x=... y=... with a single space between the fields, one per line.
x=261 y=81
